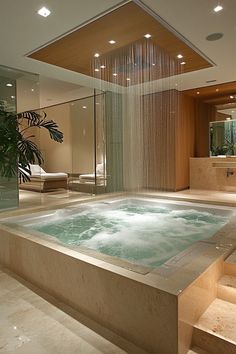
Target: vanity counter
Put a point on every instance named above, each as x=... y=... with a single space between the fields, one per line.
x=213 y=173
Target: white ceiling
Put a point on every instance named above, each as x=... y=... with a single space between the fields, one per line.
x=231 y=112
x=194 y=19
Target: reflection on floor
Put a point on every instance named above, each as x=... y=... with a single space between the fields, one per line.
x=31 y=325
x=198 y=196
x=33 y=199
x=28 y=199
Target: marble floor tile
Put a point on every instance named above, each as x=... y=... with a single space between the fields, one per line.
x=31 y=325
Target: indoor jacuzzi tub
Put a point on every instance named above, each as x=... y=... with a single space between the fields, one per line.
x=132 y=264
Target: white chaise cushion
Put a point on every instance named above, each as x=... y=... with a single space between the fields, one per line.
x=36 y=170
x=59 y=175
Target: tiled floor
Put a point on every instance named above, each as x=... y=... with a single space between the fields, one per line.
x=28 y=199
x=199 y=196
x=31 y=325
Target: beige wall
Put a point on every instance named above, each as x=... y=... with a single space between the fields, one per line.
x=57 y=157
x=76 y=153
x=27 y=93
x=184 y=140
x=82 y=120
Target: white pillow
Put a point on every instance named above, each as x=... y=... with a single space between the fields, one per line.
x=36 y=170
x=100 y=169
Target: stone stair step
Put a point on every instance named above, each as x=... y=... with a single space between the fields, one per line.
x=215 y=331
x=226 y=288
x=230 y=265
x=197 y=350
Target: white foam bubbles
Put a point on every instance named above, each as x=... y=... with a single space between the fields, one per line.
x=144 y=234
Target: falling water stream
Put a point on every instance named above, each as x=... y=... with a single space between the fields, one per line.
x=140 y=109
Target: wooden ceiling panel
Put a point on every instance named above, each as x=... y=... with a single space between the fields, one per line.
x=126 y=25
x=214 y=91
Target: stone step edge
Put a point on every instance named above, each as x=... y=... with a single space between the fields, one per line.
x=200 y=336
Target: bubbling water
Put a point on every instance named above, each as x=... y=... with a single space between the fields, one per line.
x=143 y=234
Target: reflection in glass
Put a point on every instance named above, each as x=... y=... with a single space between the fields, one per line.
x=223 y=138
x=8 y=185
x=19 y=91
x=82 y=154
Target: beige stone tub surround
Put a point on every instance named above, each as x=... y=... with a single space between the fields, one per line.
x=155 y=310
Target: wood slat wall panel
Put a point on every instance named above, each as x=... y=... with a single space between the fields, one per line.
x=169 y=131
x=159 y=135
x=185 y=134
x=213 y=91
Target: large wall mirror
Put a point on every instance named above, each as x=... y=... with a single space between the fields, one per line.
x=223 y=138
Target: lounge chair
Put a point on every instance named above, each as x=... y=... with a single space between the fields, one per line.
x=86 y=182
x=42 y=181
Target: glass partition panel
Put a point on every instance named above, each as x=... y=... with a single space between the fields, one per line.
x=83 y=145
x=18 y=92
x=81 y=155
x=8 y=168
x=223 y=138
x=100 y=144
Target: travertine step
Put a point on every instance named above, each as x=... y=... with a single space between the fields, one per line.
x=226 y=288
x=230 y=265
x=196 y=350
x=215 y=331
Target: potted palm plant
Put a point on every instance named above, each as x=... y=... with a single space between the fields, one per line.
x=17 y=148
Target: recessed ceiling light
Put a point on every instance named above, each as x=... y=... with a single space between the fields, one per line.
x=44 y=12
x=198 y=93
x=84 y=107
x=96 y=55
x=218 y=8
x=102 y=66
x=183 y=63
x=112 y=41
x=180 y=56
x=128 y=79
x=96 y=69
x=147 y=35
x=217 y=90
x=231 y=96
x=12 y=97
x=153 y=64
x=9 y=85
x=115 y=74
x=32 y=90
